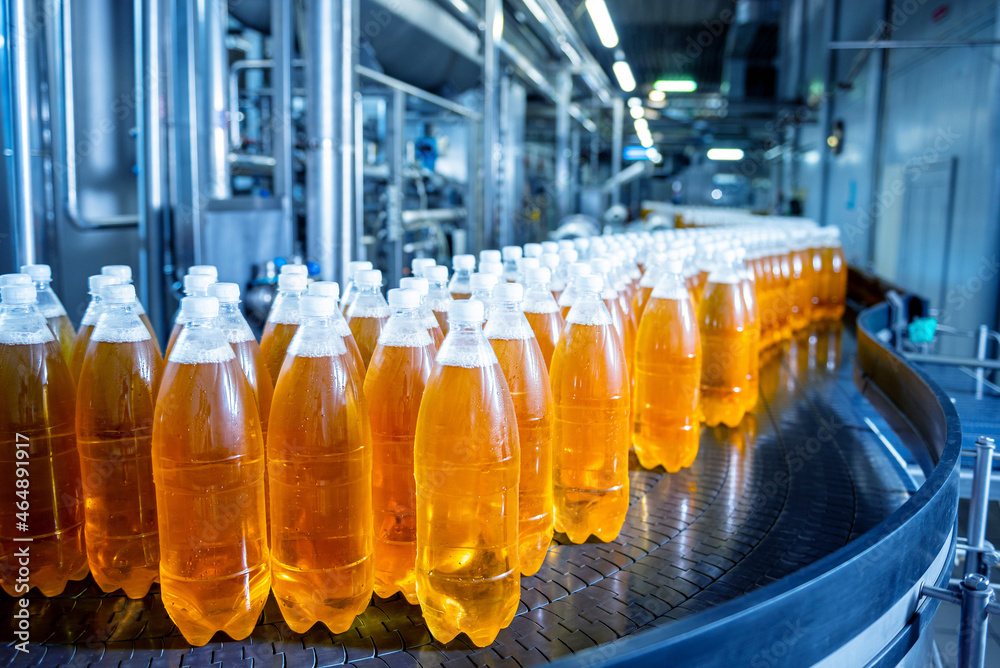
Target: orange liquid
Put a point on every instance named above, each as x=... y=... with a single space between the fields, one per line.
x=667 y=378
x=816 y=287
x=785 y=302
x=753 y=354
x=436 y=336
x=80 y=351
x=725 y=348
x=461 y=295
x=366 y=332
x=114 y=427
x=37 y=411
x=619 y=320
x=274 y=344
x=547 y=328
x=321 y=495
x=800 y=301
x=838 y=287
x=251 y=360
x=590 y=443
x=442 y=318
x=780 y=297
x=152 y=334
x=65 y=334
x=214 y=564
x=393 y=391
x=467 y=469
x=527 y=378
x=642 y=299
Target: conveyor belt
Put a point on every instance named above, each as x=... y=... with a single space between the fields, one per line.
x=799 y=479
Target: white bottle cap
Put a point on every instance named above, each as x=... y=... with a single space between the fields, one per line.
x=512 y=253
x=578 y=269
x=550 y=247
x=674 y=265
x=437 y=273
x=15 y=279
x=483 y=281
x=38 y=272
x=96 y=282
x=533 y=250
x=122 y=271
x=465 y=262
x=415 y=283
x=583 y=243
x=200 y=307
x=298 y=269
x=489 y=255
x=226 y=293
x=404 y=298
x=356 y=266
x=539 y=275
x=197 y=284
x=526 y=263
x=568 y=255
x=600 y=265
x=316 y=306
x=292 y=282
x=18 y=295
x=329 y=289
x=592 y=282
x=421 y=264
x=508 y=292
x=118 y=293
x=205 y=270
x=495 y=268
x=369 y=278
x=465 y=310
x=550 y=260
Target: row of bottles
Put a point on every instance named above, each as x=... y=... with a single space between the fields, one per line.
x=390 y=445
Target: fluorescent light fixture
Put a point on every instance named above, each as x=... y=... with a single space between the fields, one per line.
x=676 y=85
x=602 y=23
x=624 y=74
x=653 y=154
x=641 y=125
x=646 y=141
x=536 y=10
x=634 y=102
x=637 y=112
x=571 y=53
x=657 y=96
x=725 y=154
x=716 y=194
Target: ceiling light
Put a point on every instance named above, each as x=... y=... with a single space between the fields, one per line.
x=637 y=112
x=725 y=154
x=657 y=96
x=676 y=85
x=716 y=194
x=641 y=125
x=653 y=155
x=646 y=141
x=602 y=23
x=624 y=74
x=634 y=102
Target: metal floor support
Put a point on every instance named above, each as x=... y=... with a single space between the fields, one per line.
x=800 y=478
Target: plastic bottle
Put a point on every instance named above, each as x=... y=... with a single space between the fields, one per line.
x=37 y=434
x=237 y=331
x=369 y=313
x=556 y=284
x=725 y=344
x=124 y=274
x=527 y=377
x=590 y=396
x=208 y=469
x=748 y=289
x=549 y=248
x=494 y=268
x=438 y=297
x=490 y=256
x=331 y=289
x=321 y=479
x=282 y=322
x=600 y=266
x=467 y=469
x=351 y=288
x=832 y=281
x=561 y=278
x=459 y=287
x=209 y=270
x=195 y=285
x=800 y=313
x=419 y=266
x=90 y=316
x=14 y=279
x=482 y=289
x=394 y=387
x=116 y=398
x=533 y=250
x=542 y=312
x=667 y=376
x=511 y=256
x=568 y=296
x=420 y=286
x=52 y=308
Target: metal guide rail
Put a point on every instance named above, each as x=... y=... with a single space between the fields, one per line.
x=801 y=478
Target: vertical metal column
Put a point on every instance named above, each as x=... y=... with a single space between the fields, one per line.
x=595 y=141
x=395 y=212
x=493 y=30
x=330 y=84
x=574 y=166
x=618 y=120
x=24 y=215
x=151 y=159
x=981 y=343
x=215 y=104
x=511 y=187
x=979 y=505
x=564 y=94
x=976 y=598
x=281 y=114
